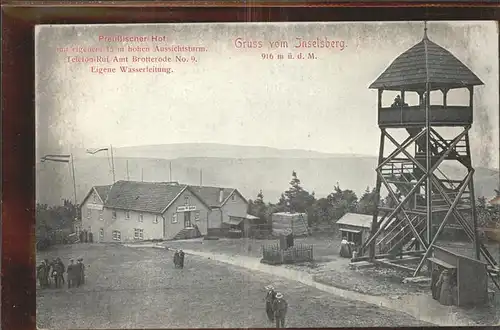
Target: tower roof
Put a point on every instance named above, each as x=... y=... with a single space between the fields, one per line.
x=408 y=70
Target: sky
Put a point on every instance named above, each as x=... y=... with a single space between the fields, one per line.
x=234 y=96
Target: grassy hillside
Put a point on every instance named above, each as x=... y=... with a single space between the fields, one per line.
x=249 y=175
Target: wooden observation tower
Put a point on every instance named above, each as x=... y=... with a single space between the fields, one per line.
x=423 y=197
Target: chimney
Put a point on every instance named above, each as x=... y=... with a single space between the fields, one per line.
x=221 y=195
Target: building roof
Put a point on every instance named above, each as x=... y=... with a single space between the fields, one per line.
x=408 y=70
x=103 y=192
x=151 y=197
x=356 y=220
x=155 y=197
x=211 y=195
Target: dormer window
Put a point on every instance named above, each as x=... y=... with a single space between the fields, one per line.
x=186 y=200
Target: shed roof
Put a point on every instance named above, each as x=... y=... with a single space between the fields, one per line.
x=408 y=70
x=356 y=220
x=211 y=195
x=289 y=214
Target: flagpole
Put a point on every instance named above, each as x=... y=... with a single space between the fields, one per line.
x=112 y=163
x=74 y=180
x=201 y=177
x=170 y=171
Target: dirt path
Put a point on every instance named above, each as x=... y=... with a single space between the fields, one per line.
x=421 y=307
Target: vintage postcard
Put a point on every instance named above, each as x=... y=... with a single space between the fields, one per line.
x=252 y=175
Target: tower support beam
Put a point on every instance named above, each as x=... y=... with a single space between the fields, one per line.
x=407 y=218
x=417 y=184
x=443 y=223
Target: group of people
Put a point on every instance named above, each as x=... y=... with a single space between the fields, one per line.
x=276 y=306
x=86 y=236
x=179 y=259
x=444 y=286
x=347 y=249
x=56 y=269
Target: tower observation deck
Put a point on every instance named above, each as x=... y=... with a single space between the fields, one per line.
x=424 y=199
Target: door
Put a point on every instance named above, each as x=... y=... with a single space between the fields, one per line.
x=187 y=219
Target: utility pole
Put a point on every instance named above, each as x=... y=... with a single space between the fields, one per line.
x=112 y=163
x=128 y=177
x=201 y=177
x=142 y=174
x=170 y=171
x=74 y=179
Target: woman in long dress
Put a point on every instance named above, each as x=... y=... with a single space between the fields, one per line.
x=446 y=295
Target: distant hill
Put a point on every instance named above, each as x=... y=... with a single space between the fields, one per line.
x=184 y=150
x=245 y=168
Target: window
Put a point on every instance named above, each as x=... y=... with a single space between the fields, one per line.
x=127 y=215
x=232 y=197
x=197 y=216
x=186 y=200
x=101 y=233
x=89 y=213
x=113 y=215
x=141 y=218
x=94 y=198
x=117 y=236
x=101 y=217
x=156 y=219
x=138 y=233
x=174 y=218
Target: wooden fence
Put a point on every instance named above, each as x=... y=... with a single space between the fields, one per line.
x=272 y=254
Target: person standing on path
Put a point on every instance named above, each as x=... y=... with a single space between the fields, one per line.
x=280 y=308
x=176 y=259
x=71 y=274
x=81 y=267
x=181 y=258
x=41 y=272
x=270 y=297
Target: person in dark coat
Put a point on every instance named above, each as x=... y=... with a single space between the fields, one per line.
x=85 y=235
x=41 y=271
x=82 y=237
x=47 y=272
x=81 y=267
x=280 y=307
x=181 y=258
x=60 y=266
x=434 y=280
x=176 y=259
x=270 y=297
x=72 y=275
x=91 y=237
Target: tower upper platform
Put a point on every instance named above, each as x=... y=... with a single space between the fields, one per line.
x=425 y=62
x=408 y=71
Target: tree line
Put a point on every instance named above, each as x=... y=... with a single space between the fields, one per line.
x=327 y=210
x=53 y=219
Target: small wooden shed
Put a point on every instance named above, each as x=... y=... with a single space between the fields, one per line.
x=471 y=275
x=355 y=227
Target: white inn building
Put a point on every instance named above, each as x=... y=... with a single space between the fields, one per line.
x=129 y=210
